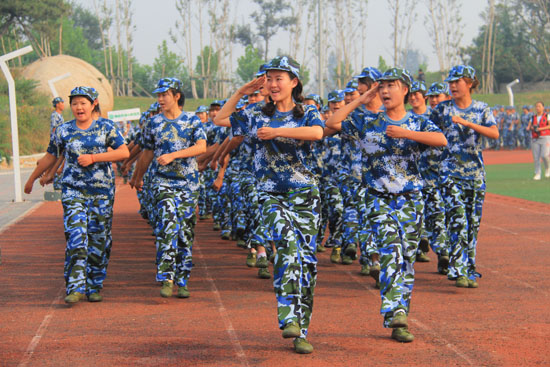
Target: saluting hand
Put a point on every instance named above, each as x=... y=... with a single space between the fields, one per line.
x=369 y=95
x=165 y=159
x=252 y=86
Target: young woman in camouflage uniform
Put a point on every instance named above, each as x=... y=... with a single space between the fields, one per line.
x=281 y=132
x=462 y=172
x=391 y=142
x=172 y=140
x=88 y=192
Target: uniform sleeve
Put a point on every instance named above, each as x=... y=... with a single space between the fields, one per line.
x=436 y=117
x=198 y=133
x=239 y=122
x=313 y=117
x=55 y=147
x=488 y=119
x=147 y=138
x=114 y=137
x=428 y=126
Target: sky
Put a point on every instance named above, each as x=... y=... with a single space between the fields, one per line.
x=154 y=19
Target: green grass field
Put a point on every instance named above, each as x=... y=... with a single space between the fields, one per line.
x=516 y=180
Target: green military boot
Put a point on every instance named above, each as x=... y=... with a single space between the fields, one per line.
x=472 y=283
x=183 y=292
x=292 y=330
x=251 y=259
x=365 y=270
x=166 y=289
x=302 y=346
x=335 y=255
x=375 y=270
x=422 y=258
x=263 y=273
x=424 y=245
x=399 y=319
x=95 y=297
x=347 y=260
x=241 y=243
x=443 y=264
x=351 y=250
x=462 y=282
x=216 y=227
x=402 y=334
x=262 y=262
x=74 y=297
x=321 y=248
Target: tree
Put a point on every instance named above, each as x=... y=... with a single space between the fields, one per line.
x=39 y=21
x=403 y=17
x=270 y=19
x=444 y=26
x=167 y=64
x=382 y=64
x=249 y=63
x=206 y=69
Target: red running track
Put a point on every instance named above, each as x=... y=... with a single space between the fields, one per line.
x=230 y=318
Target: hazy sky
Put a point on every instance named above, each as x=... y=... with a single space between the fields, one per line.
x=154 y=19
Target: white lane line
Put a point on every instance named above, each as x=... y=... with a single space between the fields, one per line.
x=514 y=233
x=41 y=331
x=23 y=215
x=224 y=314
x=421 y=325
x=489 y=201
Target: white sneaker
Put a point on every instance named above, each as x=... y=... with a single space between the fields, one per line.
x=537 y=177
x=547 y=172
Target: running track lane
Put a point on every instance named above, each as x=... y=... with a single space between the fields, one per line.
x=230 y=319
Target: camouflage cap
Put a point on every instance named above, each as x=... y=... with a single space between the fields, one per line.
x=202 y=108
x=336 y=95
x=85 y=92
x=397 y=74
x=166 y=83
x=284 y=63
x=509 y=108
x=525 y=107
x=369 y=72
x=461 y=71
x=351 y=86
x=419 y=86
x=56 y=100
x=218 y=102
x=261 y=70
x=315 y=98
x=438 y=88
x=240 y=104
x=325 y=109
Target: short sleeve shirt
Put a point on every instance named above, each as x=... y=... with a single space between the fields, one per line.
x=391 y=163
x=97 y=179
x=462 y=158
x=163 y=135
x=56 y=120
x=281 y=165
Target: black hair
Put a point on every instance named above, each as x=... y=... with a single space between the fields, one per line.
x=181 y=100
x=475 y=83
x=97 y=108
x=367 y=81
x=298 y=111
x=541 y=102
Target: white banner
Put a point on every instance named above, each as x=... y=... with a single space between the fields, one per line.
x=124 y=115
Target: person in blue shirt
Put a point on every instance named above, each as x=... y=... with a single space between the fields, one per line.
x=56 y=119
x=89 y=146
x=462 y=172
x=391 y=143
x=281 y=132
x=523 y=134
x=171 y=141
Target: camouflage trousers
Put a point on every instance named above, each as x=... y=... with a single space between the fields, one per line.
x=464 y=202
x=331 y=214
x=366 y=239
x=435 y=228
x=255 y=232
x=292 y=220
x=175 y=233
x=238 y=206
x=396 y=221
x=206 y=192
x=222 y=206
x=87 y=225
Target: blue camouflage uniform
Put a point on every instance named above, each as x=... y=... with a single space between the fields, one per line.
x=87 y=199
x=175 y=188
x=463 y=173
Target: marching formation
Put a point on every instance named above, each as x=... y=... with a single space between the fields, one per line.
x=287 y=178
